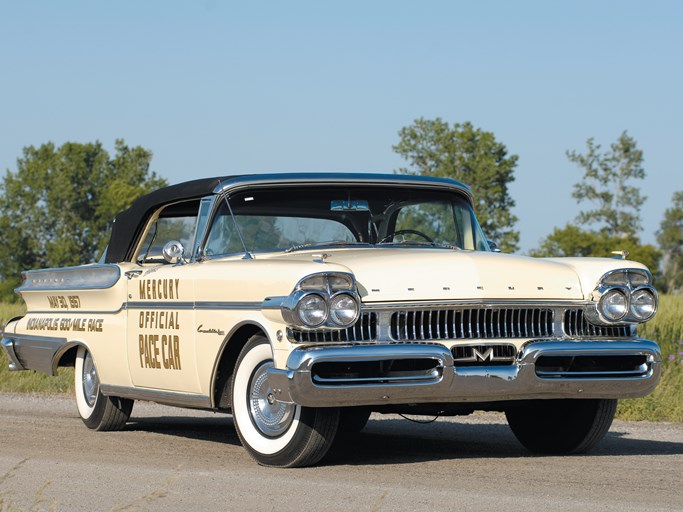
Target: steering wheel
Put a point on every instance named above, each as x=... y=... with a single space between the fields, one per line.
x=406 y=232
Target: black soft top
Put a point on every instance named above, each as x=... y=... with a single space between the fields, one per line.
x=129 y=223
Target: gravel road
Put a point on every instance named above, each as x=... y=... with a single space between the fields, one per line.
x=171 y=459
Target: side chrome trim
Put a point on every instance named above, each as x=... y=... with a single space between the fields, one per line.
x=273 y=302
x=78 y=312
x=192 y=305
x=166 y=305
x=519 y=381
x=228 y=305
x=86 y=277
x=158 y=305
x=161 y=397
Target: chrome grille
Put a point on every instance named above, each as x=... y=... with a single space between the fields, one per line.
x=576 y=325
x=472 y=323
x=462 y=323
x=365 y=329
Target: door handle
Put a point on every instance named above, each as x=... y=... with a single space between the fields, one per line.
x=130 y=274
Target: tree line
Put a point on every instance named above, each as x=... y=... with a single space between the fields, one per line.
x=56 y=208
x=610 y=224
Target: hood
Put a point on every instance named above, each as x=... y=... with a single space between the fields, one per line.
x=417 y=274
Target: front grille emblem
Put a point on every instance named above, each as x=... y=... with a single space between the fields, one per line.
x=483 y=354
x=478 y=356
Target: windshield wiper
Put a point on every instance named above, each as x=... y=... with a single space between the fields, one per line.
x=410 y=242
x=422 y=243
x=330 y=243
x=446 y=245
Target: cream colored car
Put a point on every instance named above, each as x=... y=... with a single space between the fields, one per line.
x=300 y=303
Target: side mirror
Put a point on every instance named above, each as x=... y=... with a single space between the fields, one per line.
x=173 y=252
x=493 y=246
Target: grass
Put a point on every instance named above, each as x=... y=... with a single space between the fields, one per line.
x=665 y=404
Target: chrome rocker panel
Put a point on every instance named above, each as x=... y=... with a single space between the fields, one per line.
x=446 y=383
x=192 y=401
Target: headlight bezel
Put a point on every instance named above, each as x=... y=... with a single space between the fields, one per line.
x=630 y=283
x=330 y=286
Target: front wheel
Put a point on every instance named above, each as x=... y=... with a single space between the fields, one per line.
x=353 y=419
x=561 y=426
x=97 y=411
x=276 y=433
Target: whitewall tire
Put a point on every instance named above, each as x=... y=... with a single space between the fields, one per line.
x=97 y=411
x=275 y=433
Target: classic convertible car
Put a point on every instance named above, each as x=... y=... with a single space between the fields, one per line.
x=301 y=303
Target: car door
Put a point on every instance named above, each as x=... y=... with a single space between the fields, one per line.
x=161 y=316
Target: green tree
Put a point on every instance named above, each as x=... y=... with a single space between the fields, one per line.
x=57 y=207
x=670 y=240
x=472 y=156
x=572 y=241
x=605 y=183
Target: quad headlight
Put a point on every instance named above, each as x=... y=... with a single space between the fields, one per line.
x=613 y=305
x=343 y=309
x=325 y=300
x=643 y=304
x=623 y=296
x=312 y=310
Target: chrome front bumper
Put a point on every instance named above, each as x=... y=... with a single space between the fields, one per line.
x=441 y=381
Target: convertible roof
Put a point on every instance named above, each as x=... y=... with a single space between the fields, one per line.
x=129 y=223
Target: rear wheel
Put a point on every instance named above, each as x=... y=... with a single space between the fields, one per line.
x=276 y=433
x=561 y=426
x=97 y=411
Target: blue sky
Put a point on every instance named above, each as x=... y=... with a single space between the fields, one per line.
x=216 y=88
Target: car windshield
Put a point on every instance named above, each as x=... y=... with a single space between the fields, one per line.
x=303 y=217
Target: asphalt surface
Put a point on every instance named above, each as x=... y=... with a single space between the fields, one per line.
x=173 y=459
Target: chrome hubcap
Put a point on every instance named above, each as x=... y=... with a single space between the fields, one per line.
x=271 y=417
x=91 y=382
